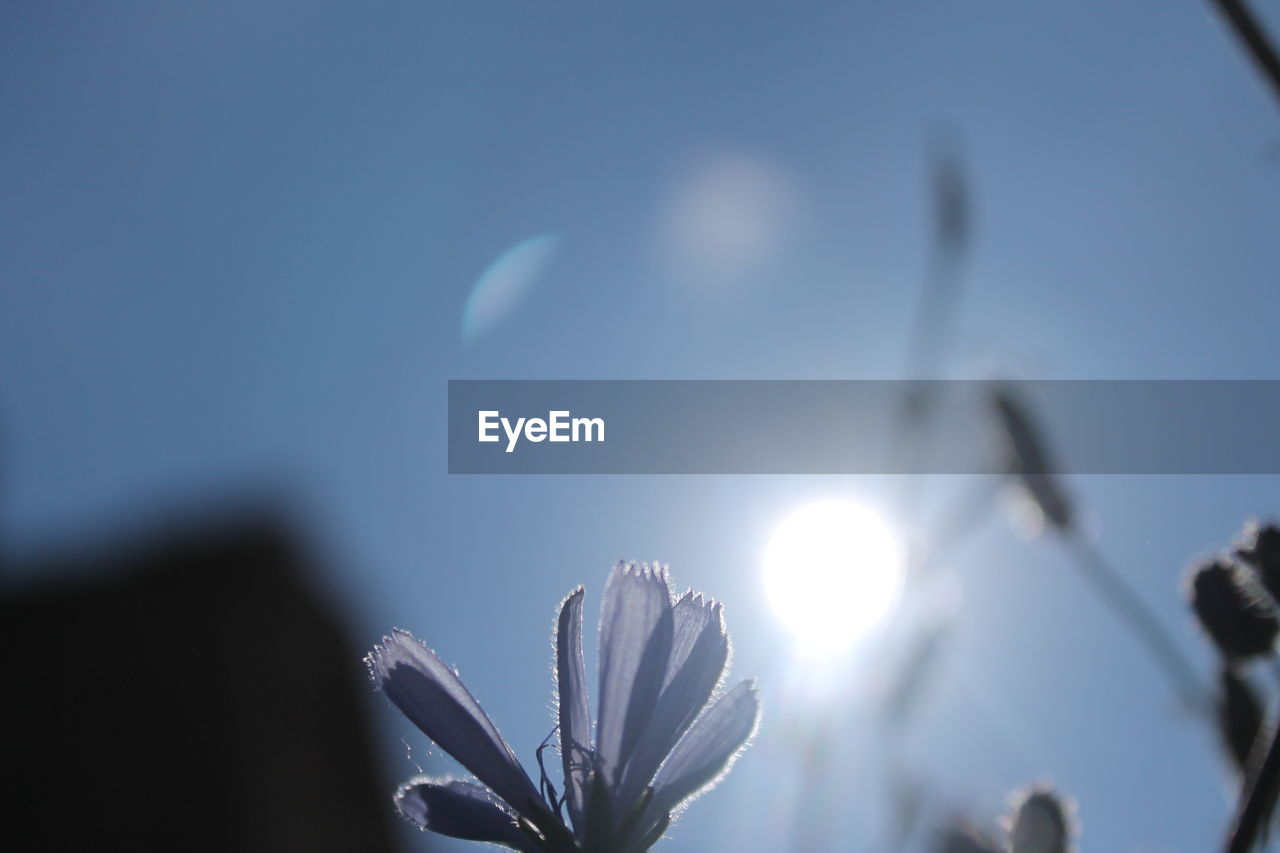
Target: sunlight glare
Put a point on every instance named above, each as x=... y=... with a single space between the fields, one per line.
x=832 y=570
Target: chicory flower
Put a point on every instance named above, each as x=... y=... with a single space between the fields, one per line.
x=658 y=742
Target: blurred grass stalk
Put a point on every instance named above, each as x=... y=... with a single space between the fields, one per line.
x=935 y=319
x=1030 y=462
x=1112 y=588
x=1254 y=39
x=1257 y=802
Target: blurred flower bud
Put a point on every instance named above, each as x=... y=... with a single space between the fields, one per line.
x=1239 y=716
x=1260 y=548
x=960 y=836
x=1043 y=821
x=1233 y=611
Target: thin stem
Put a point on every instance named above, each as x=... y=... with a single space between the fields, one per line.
x=960 y=520
x=1257 y=801
x=1255 y=40
x=1126 y=604
x=934 y=322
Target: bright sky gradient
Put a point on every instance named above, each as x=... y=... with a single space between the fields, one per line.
x=239 y=239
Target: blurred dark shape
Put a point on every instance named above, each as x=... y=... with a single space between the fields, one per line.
x=959 y=836
x=1042 y=822
x=1254 y=39
x=935 y=318
x=1256 y=809
x=1259 y=549
x=1232 y=594
x=907 y=806
x=952 y=231
x=1233 y=611
x=950 y=195
x=192 y=692
x=1028 y=459
x=1240 y=714
x=913 y=675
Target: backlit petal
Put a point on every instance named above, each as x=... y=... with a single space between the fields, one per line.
x=574 y=711
x=708 y=749
x=460 y=810
x=431 y=695
x=635 y=646
x=692 y=613
x=700 y=649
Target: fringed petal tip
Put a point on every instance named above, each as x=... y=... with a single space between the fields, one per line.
x=375 y=661
x=578 y=591
x=432 y=696
x=644 y=571
x=699 y=611
x=572 y=710
x=459 y=809
x=636 y=618
x=573 y=599
x=394 y=648
x=409 y=801
x=702 y=601
x=699 y=652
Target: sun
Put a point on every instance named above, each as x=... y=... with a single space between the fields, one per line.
x=832 y=570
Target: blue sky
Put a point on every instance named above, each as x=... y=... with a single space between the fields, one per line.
x=238 y=242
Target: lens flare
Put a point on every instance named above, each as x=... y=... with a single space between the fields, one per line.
x=506 y=283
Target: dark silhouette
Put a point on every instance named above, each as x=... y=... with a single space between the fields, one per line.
x=189 y=693
x=1254 y=39
x=1240 y=716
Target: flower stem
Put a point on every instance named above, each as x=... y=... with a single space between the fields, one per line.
x=1124 y=601
x=1257 y=800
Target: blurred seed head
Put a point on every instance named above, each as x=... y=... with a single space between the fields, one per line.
x=1042 y=821
x=1240 y=716
x=950 y=193
x=1028 y=459
x=1232 y=610
x=1259 y=548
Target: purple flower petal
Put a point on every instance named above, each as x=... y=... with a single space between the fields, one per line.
x=693 y=613
x=700 y=649
x=574 y=711
x=635 y=646
x=460 y=810
x=708 y=749
x=430 y=694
